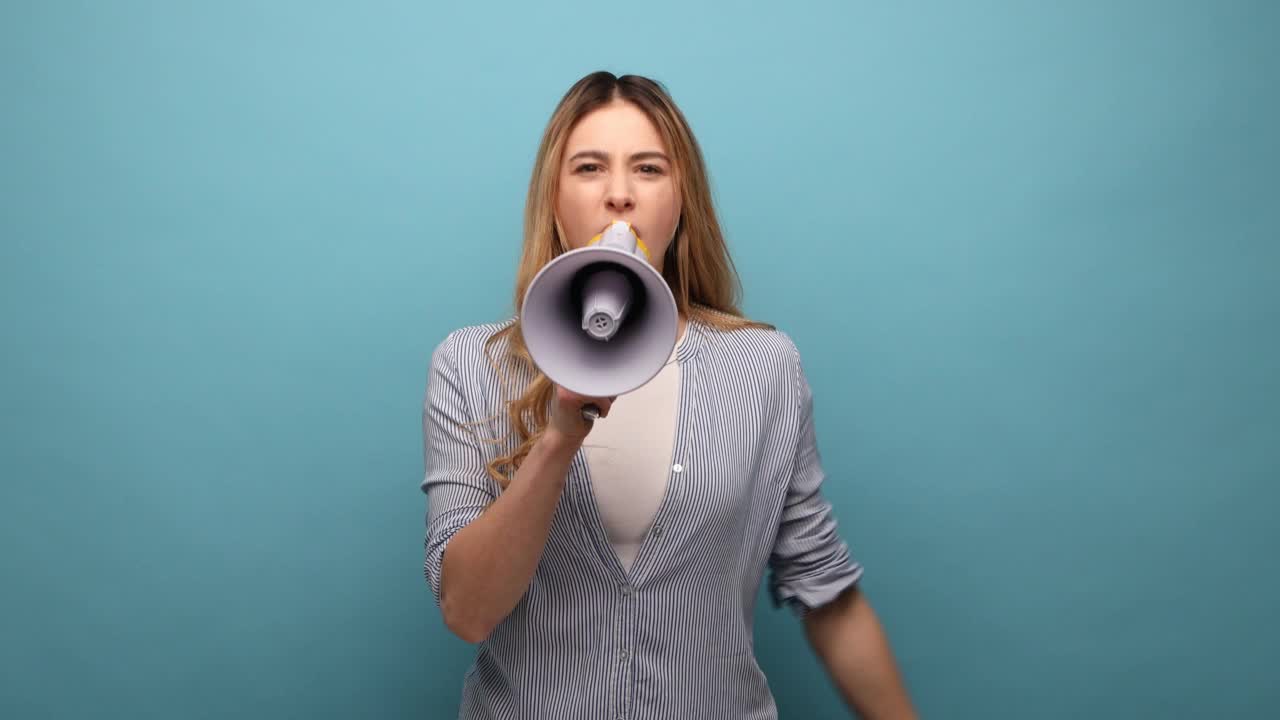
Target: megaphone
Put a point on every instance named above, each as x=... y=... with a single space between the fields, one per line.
x=600 y=321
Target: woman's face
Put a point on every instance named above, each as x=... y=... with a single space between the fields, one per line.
x=616 y=167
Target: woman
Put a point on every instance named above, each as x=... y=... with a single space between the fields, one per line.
x=609 y=569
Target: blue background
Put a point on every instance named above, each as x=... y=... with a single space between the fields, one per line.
x=1028 y=250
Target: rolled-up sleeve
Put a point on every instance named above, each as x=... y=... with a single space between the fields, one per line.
x=455 y=481
x=811 y=564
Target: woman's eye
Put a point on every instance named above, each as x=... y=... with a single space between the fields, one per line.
x=588 y=167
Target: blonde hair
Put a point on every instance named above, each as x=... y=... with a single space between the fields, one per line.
x=696 y=266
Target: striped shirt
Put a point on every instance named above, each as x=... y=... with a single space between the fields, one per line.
x=672 y=637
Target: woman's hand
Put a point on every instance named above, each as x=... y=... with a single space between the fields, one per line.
x=566 y=414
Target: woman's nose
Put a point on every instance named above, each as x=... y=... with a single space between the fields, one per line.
x=620 y=203
x=619 y=198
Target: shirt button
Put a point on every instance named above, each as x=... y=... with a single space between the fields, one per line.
x=623 y=653
x=627 y=590
x=657 y=531
x=678 y=467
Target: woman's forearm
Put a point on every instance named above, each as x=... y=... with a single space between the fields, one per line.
x=488 y=564
x=850 y=641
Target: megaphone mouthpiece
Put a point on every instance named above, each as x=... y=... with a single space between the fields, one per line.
x=622 y=236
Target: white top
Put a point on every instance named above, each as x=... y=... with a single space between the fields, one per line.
x=629 y=458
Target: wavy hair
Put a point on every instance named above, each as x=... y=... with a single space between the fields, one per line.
x=696 y=266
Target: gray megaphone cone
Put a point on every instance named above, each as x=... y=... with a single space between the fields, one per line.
x=600 y=321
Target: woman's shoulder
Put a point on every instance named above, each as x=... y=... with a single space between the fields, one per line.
x=473 y=346
x=753 y=343
x=759 y=356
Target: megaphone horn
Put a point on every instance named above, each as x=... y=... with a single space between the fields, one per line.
x=600 y=321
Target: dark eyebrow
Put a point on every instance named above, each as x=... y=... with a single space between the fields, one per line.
x=604 y=157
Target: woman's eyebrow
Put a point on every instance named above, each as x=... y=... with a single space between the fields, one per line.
x=604 y=157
